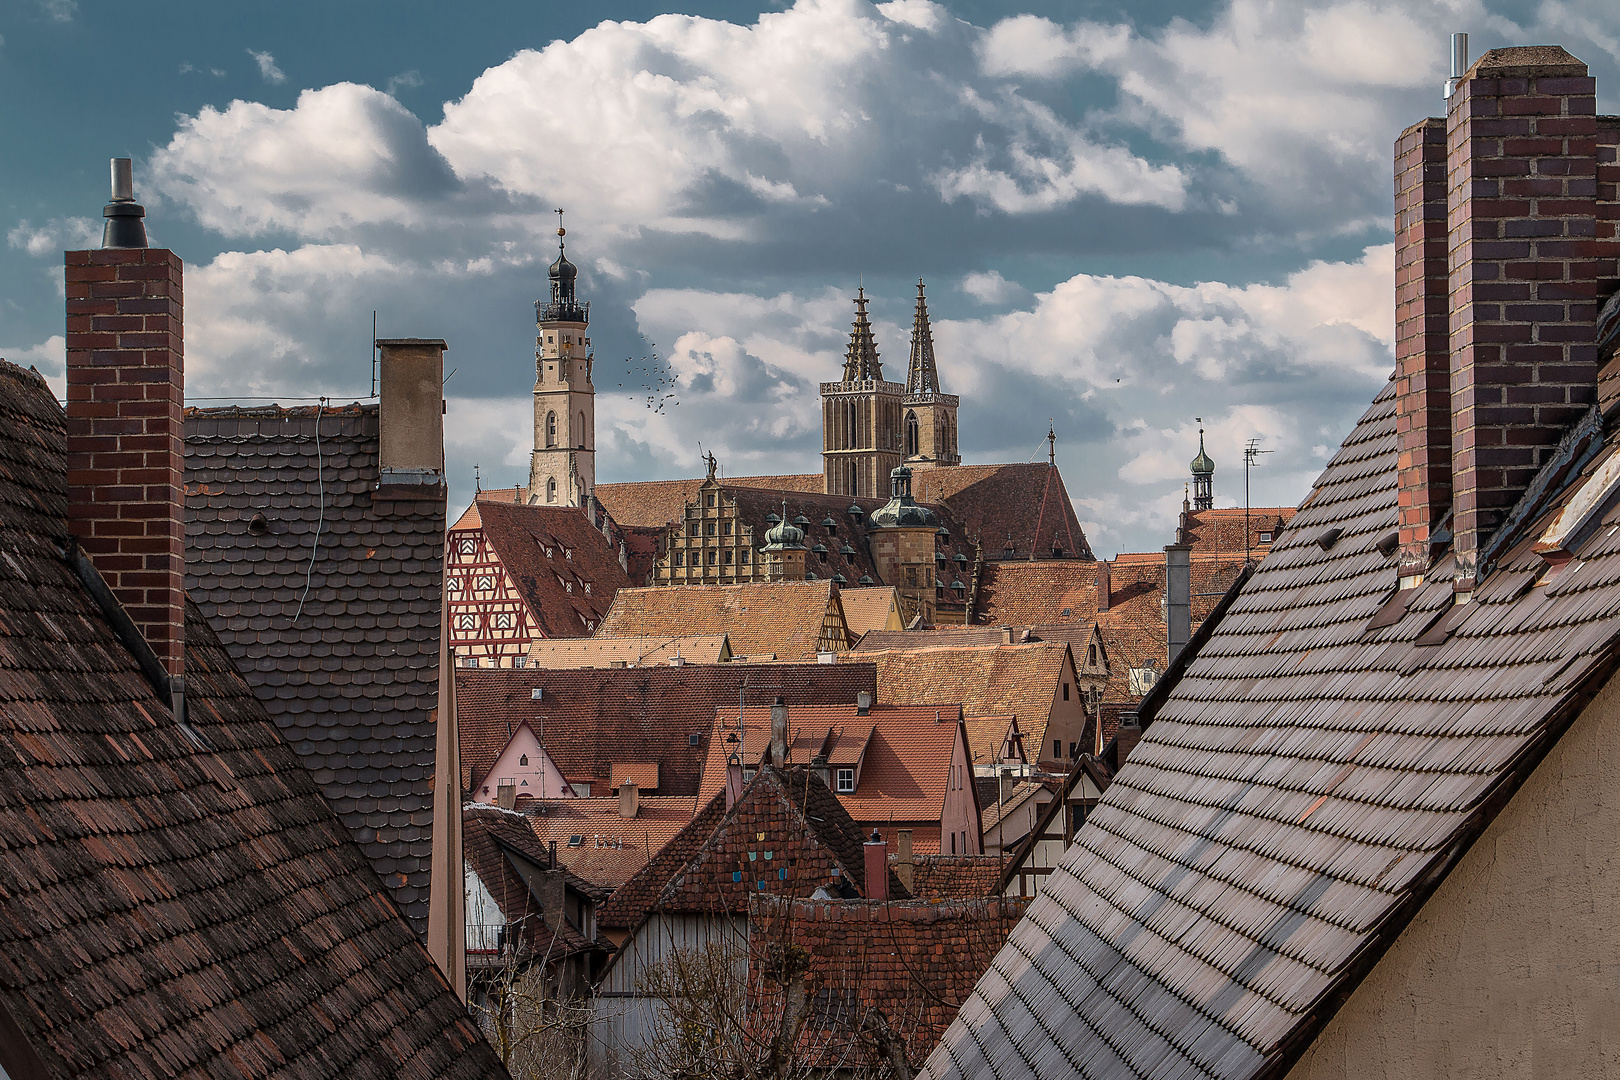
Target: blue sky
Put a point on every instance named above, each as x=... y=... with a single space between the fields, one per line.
x=1127 y=215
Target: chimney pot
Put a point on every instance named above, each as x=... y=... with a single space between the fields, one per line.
x=124 y=228
x=629 y=799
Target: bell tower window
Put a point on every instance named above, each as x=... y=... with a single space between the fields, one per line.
x=551 y=489
x=911 y=434
x=551 y=429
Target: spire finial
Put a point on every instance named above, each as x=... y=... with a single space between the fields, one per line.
x=1051 y=444
x=861 y=361
x=922 y=377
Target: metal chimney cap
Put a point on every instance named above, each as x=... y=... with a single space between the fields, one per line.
x=1459 y=63
x=124 y=228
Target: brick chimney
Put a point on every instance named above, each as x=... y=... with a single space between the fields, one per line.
x=1521 y=134
x=1422 y=344
x=779 y=733
x=125 y=393
x=876 y=854
x=1105 y=584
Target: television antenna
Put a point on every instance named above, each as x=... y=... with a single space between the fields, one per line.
x=1251 y=458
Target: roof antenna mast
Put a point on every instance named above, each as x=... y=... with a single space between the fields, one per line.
x=1251 y=458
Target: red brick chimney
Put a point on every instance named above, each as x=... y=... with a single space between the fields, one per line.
x=1422 y=340
x=125 y=391
x=875 y=853
x=1105 y=584
x=1521 y=136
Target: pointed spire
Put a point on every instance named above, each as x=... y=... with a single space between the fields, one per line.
x=922 y=377
x=861 y=361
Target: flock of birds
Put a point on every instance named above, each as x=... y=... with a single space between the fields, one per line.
x=653 y=381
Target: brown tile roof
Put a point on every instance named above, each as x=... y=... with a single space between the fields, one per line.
x=1220 y=532
x=956 y=877
x=987 y=738
x=343 y=649
x=488 y=833
x=644 y=774
x=719 y=861
x=987 y=680
x=869 y=609
x=910 y=963
x=1012 y=798
x=167 y=909
x=593 y=717
x=611 y=847
x=1303 y=786
x=658 y=502
x=565 y=570
x=991 y=501
x=629 y=651
x=1022 y=593
x=783 y=618
x=884 y=640
x=904 y=768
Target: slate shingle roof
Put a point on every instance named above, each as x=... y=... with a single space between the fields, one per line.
x=593 y=717
x=342 y=649
x=565 y=570
x=1300 y=791
x=166 y=910
x=912 y=963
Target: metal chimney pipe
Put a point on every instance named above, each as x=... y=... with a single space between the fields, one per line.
x=124 y=228
x=1459 y=62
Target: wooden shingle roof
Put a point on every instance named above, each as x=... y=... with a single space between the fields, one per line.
x=1301 y=790
x=172 y=906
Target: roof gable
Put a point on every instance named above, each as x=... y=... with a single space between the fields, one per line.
x=565 y=570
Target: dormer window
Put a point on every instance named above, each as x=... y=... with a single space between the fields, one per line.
x=1265 y=536
x=845 y=780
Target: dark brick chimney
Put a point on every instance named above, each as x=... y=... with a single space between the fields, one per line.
x=1521 y=135
x=1422 y=340
x=125 y=390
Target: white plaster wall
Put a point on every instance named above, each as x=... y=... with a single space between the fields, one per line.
x=1512 y=969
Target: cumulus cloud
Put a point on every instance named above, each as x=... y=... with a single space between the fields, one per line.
x=268 y=71
x=989 y=287
x=55 y=236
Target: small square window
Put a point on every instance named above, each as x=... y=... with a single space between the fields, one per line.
x=694 y=739
x=846 y=780
x=1265 y=537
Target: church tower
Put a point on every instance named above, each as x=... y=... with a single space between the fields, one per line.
x=930 y=416
x=1203 y=478
x=860 y=418
x=562 y=469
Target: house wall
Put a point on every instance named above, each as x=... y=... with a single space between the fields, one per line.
x=625 y=1017
x=484 y=918
x=959 y=816
x=540 y=778
x=489 y=622
x=1512 y=969
x=1050 y=846
x=1065 y=722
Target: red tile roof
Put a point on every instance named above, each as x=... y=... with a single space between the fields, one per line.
x=628 y=652
x=565 y=570
x=869 y=609
x=786 y=834
x=1220 y=532
x=1028 y=501
x=590 y=718
x=765 y=618
x=956 y=877
x=611 y=847
x=658 y=502
x=901 y=967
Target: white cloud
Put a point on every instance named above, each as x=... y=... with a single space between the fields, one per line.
x=1037 y=47
x=268 y=71
x=49 y=357
x=989 y=287
x=408 y=80
x=55 y=236
x=60 y=10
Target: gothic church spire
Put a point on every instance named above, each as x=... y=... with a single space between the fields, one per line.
x=861 y=361
x=922 y=378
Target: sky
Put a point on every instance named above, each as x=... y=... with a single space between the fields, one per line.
x=1128 y=216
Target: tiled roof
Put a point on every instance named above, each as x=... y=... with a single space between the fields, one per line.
x=1017 y=592
x=659 y=502
x=565 y=570
x=765 y=618
x=884 y=640
x=342 y=648
x=1017 y=795
x=868 y=609
x=629 y=651
x=1299 y=791
x=590 y=718
x=904 y=770
x=956 y=877
x=611 y=847
x=487 y=831
x=719 y=861
x=911 y=964
x=1221 y=532
x=987 y=680
x=1028 y=501
x=169 y=910
x=644 y=774
x=987 y=738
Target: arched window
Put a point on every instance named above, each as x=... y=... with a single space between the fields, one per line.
x=551 y=489
x=580 y=434
x=854 y=479
x=524 y=760
x=911 y=434
x=551 y=429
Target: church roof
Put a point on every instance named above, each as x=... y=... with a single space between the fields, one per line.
x=1027 y=500
x=922 y=377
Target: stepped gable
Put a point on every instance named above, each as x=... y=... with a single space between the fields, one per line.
x=707 y=868
x=353 y=682
x=1300 y=790
x=902 y=967
x=1028 y=501
x=565 y=570
x=170 y=909
x=590 y=718
x=783 y=620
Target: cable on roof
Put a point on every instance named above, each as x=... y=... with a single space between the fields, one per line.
x=320 y=515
